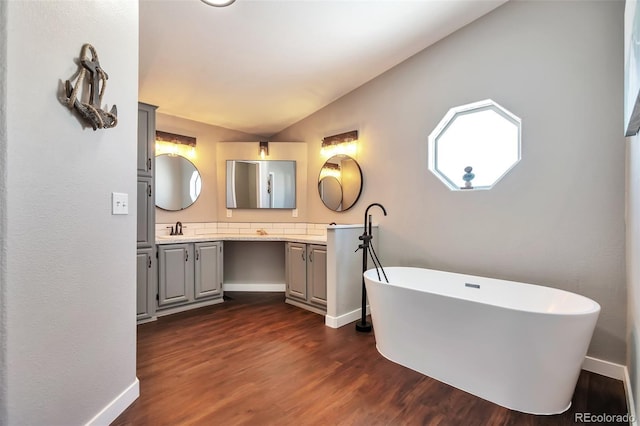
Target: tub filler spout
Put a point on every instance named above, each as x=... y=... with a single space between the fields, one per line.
x=366 y=247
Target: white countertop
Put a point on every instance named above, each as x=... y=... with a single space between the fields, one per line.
x=302 y=238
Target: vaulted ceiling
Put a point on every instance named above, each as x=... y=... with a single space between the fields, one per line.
x=259 y=66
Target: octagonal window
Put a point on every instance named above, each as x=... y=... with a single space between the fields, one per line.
x=474 y=145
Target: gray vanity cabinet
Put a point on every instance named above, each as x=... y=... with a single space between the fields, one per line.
x=306 y=275
x=296 y=260
x=146 y=139
x=208 y=269
x=189 y=272
x=175 y=274
x=144 y=283
x=317 y=274
x=146 y=275
x=146 y=212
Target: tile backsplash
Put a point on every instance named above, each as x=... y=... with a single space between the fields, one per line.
x=271 y=228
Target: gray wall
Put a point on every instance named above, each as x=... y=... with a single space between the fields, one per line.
x=557 y=218
x=205 y=209
x=68 y=266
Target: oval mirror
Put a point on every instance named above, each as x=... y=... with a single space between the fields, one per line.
x=178 y=182
x=330 y=192
x=340 y=183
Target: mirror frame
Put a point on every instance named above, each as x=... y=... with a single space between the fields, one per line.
x=342 y=157
x=290 y=181
x=335 y=189
x=157 y=172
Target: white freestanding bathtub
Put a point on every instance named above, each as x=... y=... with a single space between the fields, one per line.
x=518 y=345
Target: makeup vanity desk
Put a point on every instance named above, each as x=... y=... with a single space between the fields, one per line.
x=298 y=265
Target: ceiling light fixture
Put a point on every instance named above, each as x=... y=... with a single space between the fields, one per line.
x=218 y=3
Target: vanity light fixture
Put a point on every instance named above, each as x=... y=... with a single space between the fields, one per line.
x=330 y=169
x=344 y=143
x=218 y=3
x=263 y=149
x=173 y=144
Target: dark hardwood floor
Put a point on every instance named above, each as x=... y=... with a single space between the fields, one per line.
x=255 y=360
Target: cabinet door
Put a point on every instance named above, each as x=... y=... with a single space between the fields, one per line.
x=296 y=259
x=317 y=274
x=175 y=263
x=146 y=212
x=146 y=139
x=208 y=269
x=144 y=283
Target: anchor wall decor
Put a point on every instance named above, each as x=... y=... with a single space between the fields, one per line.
x=97 y=82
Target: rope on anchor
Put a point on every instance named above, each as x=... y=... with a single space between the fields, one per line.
x=94 y=113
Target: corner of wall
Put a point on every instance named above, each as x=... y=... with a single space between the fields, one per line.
x=3 y=206
x=632 y=273
x=631 y=371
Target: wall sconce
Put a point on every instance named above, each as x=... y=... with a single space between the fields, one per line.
x=263 y=149
x=172 y=144
x=331 y=169
x=344 y=143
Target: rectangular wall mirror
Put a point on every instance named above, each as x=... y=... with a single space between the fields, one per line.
x=261 y=184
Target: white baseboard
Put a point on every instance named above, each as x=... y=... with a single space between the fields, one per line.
x=146 y=320
x=631 y=405
x=614 y=371
x=344 y=319
x=161 y=312
x=109 y=413
x=604 y=368
x=255 y=287
x=304 y=306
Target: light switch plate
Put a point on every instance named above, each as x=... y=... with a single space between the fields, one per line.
x=229 y=213
x=294 y=213
x=119 y=203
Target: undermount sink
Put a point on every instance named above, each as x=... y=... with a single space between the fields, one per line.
x=183 y=237
x=173 y=237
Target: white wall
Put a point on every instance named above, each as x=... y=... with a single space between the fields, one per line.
x=633 y=262
x=557 y=218
x=3 y=213
x=68 y=277
x=633 y=233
